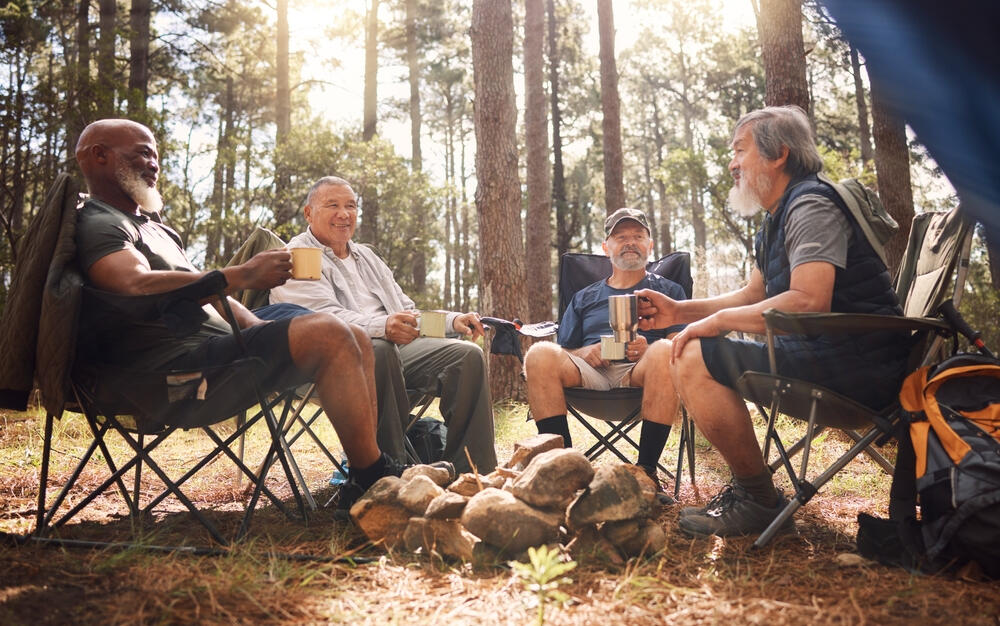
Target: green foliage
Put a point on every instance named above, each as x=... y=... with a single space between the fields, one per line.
x=543 y=574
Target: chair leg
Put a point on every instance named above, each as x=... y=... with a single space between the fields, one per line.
x=805 y=490
x=43 y=478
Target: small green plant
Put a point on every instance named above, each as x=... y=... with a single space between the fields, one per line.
x=542 y=575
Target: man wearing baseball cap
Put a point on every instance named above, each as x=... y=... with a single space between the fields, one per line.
x=575 y=360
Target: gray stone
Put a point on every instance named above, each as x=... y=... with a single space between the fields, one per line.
x=590 y=545
x=529 y=448
x=448 y=539
x=413 y=536
x=441 y=476
x=635 y=537
x=448 y=505
x=505 y=522
x=552 y=478
x=416 y=494
x=379 y=514
x=467 y=485
x=614 y=494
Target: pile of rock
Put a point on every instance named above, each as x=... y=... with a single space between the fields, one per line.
x=543 y=495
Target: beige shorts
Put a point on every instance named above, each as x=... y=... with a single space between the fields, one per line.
x=601 y=378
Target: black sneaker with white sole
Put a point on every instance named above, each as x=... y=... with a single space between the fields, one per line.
x=733 y=512
x=351 y=490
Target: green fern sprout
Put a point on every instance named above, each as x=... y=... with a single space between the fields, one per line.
x=542 y=575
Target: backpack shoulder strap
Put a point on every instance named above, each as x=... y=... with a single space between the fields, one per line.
x=851 y=202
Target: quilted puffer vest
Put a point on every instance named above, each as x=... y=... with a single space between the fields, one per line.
x=864 y=286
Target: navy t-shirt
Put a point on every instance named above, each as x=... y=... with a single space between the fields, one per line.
x=586 y=317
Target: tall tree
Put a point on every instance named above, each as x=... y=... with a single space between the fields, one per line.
x=498 y=191
x=371 y=70
x=284 y=209
x=892 y=165
x=138 y=79
x=413 y=64
x=369 y=195
x=864 y=130
x=105 y=93
x=538 y=229
x=565 y=225
x=780 y=25
x=614 y=184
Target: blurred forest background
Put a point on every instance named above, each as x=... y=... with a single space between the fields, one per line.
x=526 y=126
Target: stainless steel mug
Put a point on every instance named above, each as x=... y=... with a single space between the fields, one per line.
x=623 y=315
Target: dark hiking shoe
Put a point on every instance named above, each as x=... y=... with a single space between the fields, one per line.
x=351 y=490
x=733 y=512
x=661 y=496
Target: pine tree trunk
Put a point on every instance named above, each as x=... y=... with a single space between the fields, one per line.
x=498 y=192
x=783 y=53
x=563 y=232
x=538 y=231
x=892 y=165
x=416 y=160
x=864 y=130
x=614 y=186
x=138 y=78
x=284 y=208
x=371 y=70
x=105 y=97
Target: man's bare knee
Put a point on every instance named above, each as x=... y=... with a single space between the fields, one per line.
x=318 y=338
x=542 y=359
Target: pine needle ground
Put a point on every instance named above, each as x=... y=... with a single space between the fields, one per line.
x=798 y=578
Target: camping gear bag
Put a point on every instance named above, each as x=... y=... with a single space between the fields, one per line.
x=954 y=426
x=428 y=437
x=866 y=207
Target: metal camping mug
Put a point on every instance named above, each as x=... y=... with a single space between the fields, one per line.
x=623 y=315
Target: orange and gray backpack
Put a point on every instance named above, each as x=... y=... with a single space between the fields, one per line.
x=953 y=411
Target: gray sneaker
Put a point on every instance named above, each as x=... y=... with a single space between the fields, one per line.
x=732 y=512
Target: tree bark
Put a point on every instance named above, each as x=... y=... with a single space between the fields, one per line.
x=614 y=185
x=498 y=193
x=564 y=232
x=105 y=97
x=538 y=230
x=416 y=158
x=892 y=165
x=138 y=78
x=864 y=130
x=371 y=70
x=782 y=50
x=284 y=209
x=412 y=61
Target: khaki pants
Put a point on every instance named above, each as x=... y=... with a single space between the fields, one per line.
x=455 y=371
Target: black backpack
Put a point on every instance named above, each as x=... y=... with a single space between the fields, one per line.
x=949 y=458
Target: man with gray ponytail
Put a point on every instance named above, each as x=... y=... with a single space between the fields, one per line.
x=811 y=256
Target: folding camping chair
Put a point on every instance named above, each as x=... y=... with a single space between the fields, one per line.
x=144 y=408
x=619 y=408
x=302 y=417
x=938 y=249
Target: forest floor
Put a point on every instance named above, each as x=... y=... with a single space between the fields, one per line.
x=800 y=577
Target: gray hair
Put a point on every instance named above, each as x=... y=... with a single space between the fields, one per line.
x=327 y=181
x=774 y=127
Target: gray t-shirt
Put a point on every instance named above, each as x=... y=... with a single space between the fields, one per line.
x=102 y=230
x=816 y=230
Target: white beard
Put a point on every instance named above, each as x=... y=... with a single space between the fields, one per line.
x=744 y=197
x=136 y=188
x=628 y=264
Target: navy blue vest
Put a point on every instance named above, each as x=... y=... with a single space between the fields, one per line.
x=863 y=286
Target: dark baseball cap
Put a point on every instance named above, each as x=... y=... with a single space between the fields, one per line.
x=625 y=214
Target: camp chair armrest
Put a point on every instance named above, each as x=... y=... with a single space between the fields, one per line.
x=840 y=323
x=179 y=309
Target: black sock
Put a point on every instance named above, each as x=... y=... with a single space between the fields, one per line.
x=760 y=487
x=555 y=425
x=368 y=476
x=651 y=442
